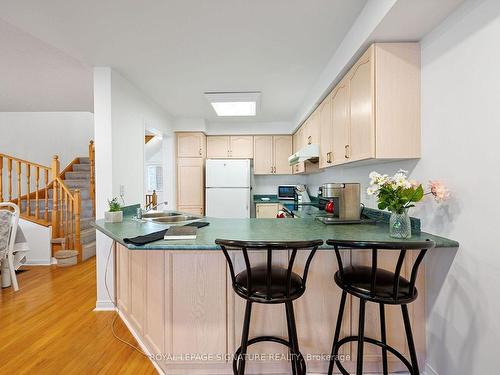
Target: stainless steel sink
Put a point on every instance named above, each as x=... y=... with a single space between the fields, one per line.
x=169 y=217
x=155 y=214
x=175 y=219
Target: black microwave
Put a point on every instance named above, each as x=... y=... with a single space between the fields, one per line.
x=286 y=192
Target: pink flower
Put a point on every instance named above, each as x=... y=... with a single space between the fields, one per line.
x=439 y=191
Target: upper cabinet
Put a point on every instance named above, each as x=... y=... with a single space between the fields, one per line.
x=374 y=112
x=234 y=146
x=325 y=127
x=191 y=145
x=271 y=154
x=298 y=143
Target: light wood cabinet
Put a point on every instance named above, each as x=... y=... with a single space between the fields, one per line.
x=361 y=96
x=180 y=302
x=263 y=161
x=234 y=146
x=271 y=154
x=326 y=130
x=298 y=143
x=241 y=146
x=195 y=210
x=374 y=110
x=311 y=129
x=266 y=210
x=190 y=182
x=191 y=145
x=282 y=151
x=218 y=146
x=340 y=123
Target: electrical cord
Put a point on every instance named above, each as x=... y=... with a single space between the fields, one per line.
x=116 y=307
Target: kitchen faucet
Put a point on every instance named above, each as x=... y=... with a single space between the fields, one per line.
x=140 y=211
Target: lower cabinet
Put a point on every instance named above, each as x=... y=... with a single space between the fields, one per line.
x=182 y=307
x=196 y=210
x=266 y=210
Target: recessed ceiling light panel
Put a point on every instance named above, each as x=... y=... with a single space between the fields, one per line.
x=234 y=104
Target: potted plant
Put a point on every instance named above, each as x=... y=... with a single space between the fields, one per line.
x=115 y=213
x=398 y=194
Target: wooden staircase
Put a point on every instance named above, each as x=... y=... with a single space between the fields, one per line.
x=63 y=200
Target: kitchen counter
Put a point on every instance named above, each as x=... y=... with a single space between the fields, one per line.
x=176 y=296
x=306 y=228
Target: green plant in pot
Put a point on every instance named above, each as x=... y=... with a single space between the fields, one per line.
x=398 y=194
x=115 y=213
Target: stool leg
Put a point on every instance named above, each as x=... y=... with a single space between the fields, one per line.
x=291 y=341
x=361 y=336
x=409 y=337
x=337 y=331
x=244 y=338
x=300 y=366
x=383 y=338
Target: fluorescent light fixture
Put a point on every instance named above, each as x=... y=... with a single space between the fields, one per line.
x=235 y=108
x=233 y=104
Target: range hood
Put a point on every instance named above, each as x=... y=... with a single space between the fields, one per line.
x=309 y=152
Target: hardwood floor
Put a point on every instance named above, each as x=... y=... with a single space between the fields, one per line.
x=48 y=327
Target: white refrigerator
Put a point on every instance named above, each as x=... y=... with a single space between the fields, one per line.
x=227 y=193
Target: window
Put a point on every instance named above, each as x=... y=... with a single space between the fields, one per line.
x=155 y=178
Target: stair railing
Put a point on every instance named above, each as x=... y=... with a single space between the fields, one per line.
x=92 y=174
x=25 y=182
x=16 y=173
x=67 y=206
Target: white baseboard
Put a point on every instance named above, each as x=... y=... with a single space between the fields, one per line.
x=141 y=344
x=37 y=262
x=104 y=306
x=429 y=370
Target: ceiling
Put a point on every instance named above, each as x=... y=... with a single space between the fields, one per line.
x=36 y=77
x=175 y=50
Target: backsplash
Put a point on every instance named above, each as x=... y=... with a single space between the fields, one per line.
x=268 y=184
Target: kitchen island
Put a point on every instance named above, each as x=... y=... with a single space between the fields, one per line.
x=177 y=299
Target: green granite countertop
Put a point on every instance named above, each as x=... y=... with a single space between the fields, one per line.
x=257 y=229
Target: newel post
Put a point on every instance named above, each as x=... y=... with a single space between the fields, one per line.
x=78 y=208
x=55 y=166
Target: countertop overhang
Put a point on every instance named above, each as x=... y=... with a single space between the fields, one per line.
x=258 y=230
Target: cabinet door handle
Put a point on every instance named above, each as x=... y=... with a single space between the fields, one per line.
x=199 y=151
x=309 y=140
x=271 y=169
x=329 y=157
x=347 y=149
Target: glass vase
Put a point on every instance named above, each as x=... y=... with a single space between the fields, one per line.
x=400 y=225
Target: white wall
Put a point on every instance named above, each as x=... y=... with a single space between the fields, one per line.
x=122 y=113
x=460 y=133
x=38 y=238
x=37 y=136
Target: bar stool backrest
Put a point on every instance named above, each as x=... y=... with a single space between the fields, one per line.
x=269 y=247
x=374 y=246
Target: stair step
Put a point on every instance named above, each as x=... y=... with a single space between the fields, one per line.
x=77 y=175
x=84 y=192
x=87 y=236
x=88 y=250
x=86 y=223
x=84 y=160
x=81 y=167
x=76 y=183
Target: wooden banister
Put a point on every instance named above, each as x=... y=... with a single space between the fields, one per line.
x=37 y=181
x=92 y=174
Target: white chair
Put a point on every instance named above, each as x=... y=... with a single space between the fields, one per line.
x=9 y=219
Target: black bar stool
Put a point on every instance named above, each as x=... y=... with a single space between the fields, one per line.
x=380 y=286
x=269 y=284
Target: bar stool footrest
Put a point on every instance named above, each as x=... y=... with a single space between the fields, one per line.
x=275 y=339
x=369 y=340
